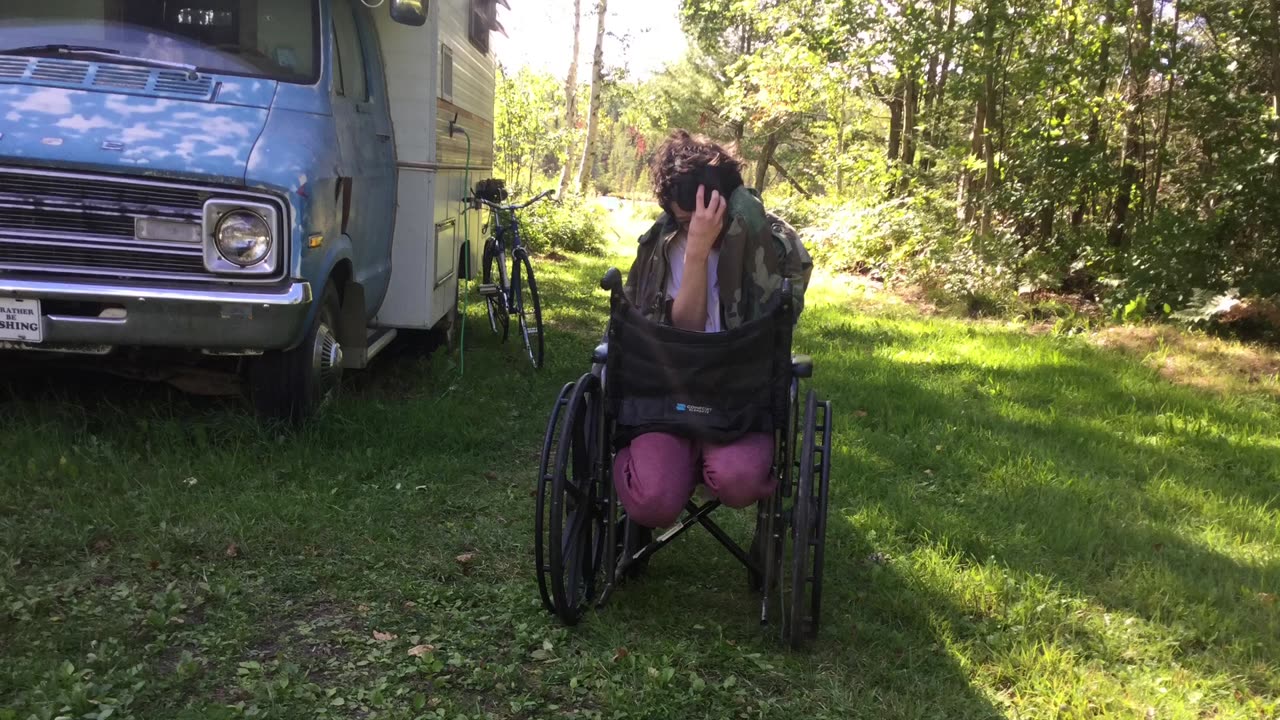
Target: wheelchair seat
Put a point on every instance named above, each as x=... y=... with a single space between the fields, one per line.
x=652 y=377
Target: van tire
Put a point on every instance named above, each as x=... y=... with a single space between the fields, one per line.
x=293 y=385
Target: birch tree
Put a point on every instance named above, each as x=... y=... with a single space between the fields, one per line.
x=593 y=111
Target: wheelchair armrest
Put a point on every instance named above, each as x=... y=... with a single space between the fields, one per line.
x=801 y=366
x=601 y=353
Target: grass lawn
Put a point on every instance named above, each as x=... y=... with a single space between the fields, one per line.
x=1023 y=526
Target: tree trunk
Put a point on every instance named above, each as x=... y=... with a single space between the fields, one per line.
x=840 y=140
x=1049 y=210
x=1275 y=70
x=1096 y=148
x=1153 y=196
x=991 y=176
x=1136 y=89
x=766 y=157
x=934 y=92
x=593 y=112
x=976 y=145
x=895 y=122
x=910 y=108
x=787 y=176
x=571 y=99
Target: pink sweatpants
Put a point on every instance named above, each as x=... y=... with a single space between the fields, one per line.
x=656 y=474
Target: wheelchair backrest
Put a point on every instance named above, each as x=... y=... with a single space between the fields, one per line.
x=710 y=385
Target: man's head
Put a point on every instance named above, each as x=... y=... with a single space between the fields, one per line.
x=684 y=162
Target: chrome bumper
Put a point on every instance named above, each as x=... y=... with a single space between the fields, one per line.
x=89 y=317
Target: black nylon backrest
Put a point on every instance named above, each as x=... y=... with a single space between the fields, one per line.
x=746 y=367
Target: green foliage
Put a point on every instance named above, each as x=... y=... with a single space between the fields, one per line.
x=529 y=137
x=569 y=225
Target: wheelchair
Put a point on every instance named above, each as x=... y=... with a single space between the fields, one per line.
x=647 y=376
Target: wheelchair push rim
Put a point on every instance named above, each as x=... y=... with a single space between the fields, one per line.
x=802 y=613
x=542 y=525
x=577 y=528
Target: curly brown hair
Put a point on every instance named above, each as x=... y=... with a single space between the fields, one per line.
x=684 y=161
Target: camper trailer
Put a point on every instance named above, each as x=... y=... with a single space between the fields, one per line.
x=275 y=184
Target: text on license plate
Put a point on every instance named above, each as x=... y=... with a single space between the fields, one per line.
x=20 y=320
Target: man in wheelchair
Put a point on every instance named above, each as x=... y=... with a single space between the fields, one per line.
x=694 y=384
x=695 y=270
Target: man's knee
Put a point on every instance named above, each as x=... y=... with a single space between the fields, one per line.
x=654 y=478
x=740 y=474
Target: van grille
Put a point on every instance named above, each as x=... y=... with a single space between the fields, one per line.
x=74 y=225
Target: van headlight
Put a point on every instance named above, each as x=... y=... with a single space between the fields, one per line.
x=243 y=238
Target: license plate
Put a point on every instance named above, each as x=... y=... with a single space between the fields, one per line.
x=20 y=320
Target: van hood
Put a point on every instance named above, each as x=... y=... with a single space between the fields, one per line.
x=94 y=130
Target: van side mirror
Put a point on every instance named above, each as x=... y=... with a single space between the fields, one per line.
x=409 y=12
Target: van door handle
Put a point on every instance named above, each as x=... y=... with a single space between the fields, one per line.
x=384 y=137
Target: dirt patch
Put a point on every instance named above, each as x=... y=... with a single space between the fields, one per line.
x=1197 y=360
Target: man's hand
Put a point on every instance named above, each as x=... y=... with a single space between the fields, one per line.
x=705 y=226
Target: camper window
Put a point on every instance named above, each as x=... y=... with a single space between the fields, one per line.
x=483 y=14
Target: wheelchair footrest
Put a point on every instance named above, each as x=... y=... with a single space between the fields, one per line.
x=488 y=289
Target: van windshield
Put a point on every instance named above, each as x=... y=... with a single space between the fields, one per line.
x=260 y=38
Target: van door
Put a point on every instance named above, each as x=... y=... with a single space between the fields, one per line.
x=364 y=134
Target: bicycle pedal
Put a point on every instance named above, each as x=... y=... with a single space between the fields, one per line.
x=488 y=290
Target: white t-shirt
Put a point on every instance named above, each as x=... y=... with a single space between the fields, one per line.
x=675 y=260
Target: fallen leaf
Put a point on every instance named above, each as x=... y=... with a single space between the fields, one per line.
x=1158 y=547
x=409 y=605
x=101 y=545
x=928 y=471
x=420 y=650
x=860 y=413
x=384 y=637
x=490 y=475
x=153 y=565
x=620 y=653
x=362 y=608
x=465 y=558
x=1268 y=598
x=233 y=550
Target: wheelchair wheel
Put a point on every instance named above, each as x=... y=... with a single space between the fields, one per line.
x=809 y=524
x=542 y=523
x=577 y=531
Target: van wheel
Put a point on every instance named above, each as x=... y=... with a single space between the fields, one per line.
x=292 y=385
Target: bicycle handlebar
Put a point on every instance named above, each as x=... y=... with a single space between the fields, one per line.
x=510 y=208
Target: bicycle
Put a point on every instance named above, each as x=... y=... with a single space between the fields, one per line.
x=505 y=293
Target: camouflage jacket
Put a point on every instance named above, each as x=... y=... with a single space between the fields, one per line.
x=757 y=250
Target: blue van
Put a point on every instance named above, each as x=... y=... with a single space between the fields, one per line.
x=279 y=182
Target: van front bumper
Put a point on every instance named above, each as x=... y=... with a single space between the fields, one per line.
x=97 y=317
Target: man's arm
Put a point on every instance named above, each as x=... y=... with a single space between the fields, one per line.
x=689 y=311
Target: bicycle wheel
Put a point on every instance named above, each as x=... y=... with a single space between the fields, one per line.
x=498 y=288
x=528 y=308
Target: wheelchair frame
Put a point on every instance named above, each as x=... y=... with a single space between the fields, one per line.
x=582 y=536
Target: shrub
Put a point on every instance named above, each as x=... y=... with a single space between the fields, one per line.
x=567 y=225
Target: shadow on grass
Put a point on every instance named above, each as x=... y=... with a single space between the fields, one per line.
x=1069 y=468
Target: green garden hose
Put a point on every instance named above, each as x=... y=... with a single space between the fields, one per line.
x=466 y=245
